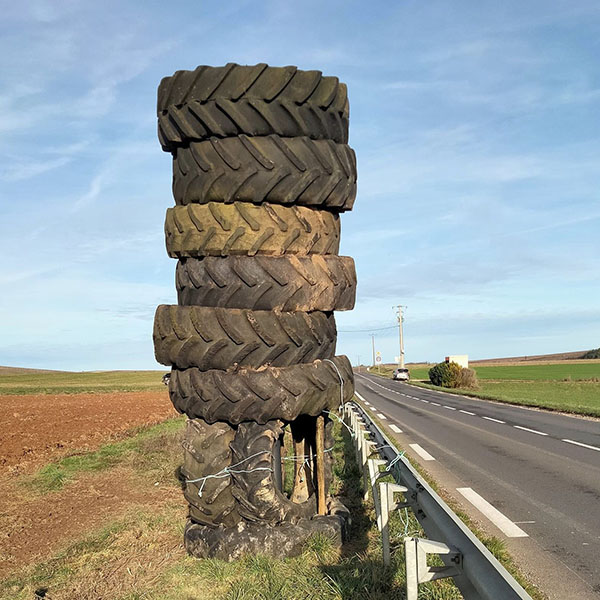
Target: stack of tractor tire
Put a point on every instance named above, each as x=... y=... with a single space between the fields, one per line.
x=261 y=173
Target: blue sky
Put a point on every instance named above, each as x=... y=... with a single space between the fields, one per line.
x=476 y=129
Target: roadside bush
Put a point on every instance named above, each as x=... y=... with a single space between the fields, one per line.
x=452 y=375
x=444 y=374
x=467 y=379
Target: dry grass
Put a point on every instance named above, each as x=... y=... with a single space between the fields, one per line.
x=141 y=556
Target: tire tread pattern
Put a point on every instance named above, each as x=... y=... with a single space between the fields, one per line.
x=253 y=100
x=222 y=338
x=287 y=283
x=255 y=491
x=207 y=451
x=216 y=229
x=266 y=169
x=262 y=395
x=235 y=81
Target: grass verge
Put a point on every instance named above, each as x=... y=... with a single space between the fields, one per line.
x=141 y=557
x=576 y=396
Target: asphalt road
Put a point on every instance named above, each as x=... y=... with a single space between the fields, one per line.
x=540 y=470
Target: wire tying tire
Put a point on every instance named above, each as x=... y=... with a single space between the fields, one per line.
x=207 y=452
x=262 y=395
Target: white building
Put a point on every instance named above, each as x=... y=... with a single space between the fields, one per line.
x=459 y=359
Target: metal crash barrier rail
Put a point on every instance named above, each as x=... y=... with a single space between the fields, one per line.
x=476 y=572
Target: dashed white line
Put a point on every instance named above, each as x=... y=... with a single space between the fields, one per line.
x=381 y=416
x=530 y=430
x=466 y=412
x=434 y=403
x=395 y=429
x=503 y=523
x=449 y=407
x=421 y=452
x=495 y=420
x=426 y=401
x=582 y=445
x=367 y=403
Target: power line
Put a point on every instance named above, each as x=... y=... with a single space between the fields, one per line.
x=367 y=330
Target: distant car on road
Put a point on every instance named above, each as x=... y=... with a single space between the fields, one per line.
x=401 y=375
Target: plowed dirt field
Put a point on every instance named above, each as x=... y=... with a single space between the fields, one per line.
x=36 y=429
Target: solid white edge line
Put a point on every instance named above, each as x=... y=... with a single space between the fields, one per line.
x=582 y=445
x=421 y=452
x=495 y=420
x=503 y=523
x=395 y=429
x=466 y=412
x=381 y=416
x=530 y=430
x=359 y=396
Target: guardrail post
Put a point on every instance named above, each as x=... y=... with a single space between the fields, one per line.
x=374 y=474
x=364 y=466
x=386 y=498
x=417 y=569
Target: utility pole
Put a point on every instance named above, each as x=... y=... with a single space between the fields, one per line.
x=400 y=334
x=373 y=344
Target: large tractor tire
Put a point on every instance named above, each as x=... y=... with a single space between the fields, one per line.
x=286 y=283
x=262 y=395
x=217 y=229
x=207 y=452
x=252 y=100
x=266 y=169
x=254 y=488
x=221 y=338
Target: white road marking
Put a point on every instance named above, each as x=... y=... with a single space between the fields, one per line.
x=426 y=401
x=466 y=412
x=395 y=429
x=503 y=523
x=582 y=445
x=523 y=522
x=367 y=403
x=495 y=420
x=359 y=397
x=421 y=452
x=449 y=407
x=380 y=416
x=435 y=403
x=530 y=430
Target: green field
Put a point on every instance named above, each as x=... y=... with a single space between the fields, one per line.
x=541 y=372
x=59 y=382
x=568 y=387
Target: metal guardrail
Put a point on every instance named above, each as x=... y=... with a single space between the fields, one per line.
x=476 y=572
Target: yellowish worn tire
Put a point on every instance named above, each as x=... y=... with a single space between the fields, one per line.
x=216 y=229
